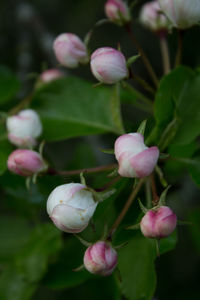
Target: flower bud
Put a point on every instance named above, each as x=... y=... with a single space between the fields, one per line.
x=158 y=223
x=24 y=128
x=100 y=258
x=26 y=162
x=70 y=206
x=108 y=65
x=152 y=17
x=117 y=11
x=182 y=13
x=50 y=75
x=70 y=50
x=134 y=158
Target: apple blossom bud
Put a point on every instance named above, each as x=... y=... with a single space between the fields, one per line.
x=70 y=50
x=70 y=206
x=108 y=65
x=100 y=258
x=158 y=223
x=24 y=128
x=182 y=13
x=117 y=11
x=134 y=158
x=152 y=17
x=26 y=162
x=50 y=75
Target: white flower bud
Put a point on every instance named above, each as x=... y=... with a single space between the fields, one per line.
x=108 y=65
x=182 y=13
x=24 y=128
x=152 y=17
x=70 y=50
x=71 y=206
x=134 y=157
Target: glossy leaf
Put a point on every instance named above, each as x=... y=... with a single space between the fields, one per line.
x=136 y=265
x=73 y=107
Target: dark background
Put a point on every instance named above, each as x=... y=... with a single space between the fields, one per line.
x=27 y=30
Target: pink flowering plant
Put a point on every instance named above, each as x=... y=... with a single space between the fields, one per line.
x=94 y=173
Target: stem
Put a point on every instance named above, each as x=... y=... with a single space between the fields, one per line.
x=143 y=55
x=21 y=105
x=180 y=48
x=144 y=84
x=155 y=199
x=109 y=184
x=51 y=171
x=148 y=107
x=126 y=208
x=165 y=54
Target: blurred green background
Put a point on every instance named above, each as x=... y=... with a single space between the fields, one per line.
x=27 y=30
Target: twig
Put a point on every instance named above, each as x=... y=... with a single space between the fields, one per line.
x=52 y=171
x=165 y=54
x=155 y=199
x=180 y=48
x=126 y=208
x=25 y=102
x=142 y=54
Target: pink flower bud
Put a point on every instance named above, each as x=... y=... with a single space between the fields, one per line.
x=182 y=13
x=152 y=17
x=70 y=206
x=117 y=11
x=25 y=162
x=100 y=258
x=158 y=223
x=24 y=128
x=108 y=65
x=70 y=50
x=134 y=158
x=50 y=75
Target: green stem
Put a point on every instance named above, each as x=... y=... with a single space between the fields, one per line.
x=147 y=104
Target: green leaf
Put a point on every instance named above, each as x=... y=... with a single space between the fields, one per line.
x=20 y=280
x=136 y=265
x=14 y=232
x=72 y=107
x=61 y=274
x=171 y=102
x=168 y=244
x=9 y=85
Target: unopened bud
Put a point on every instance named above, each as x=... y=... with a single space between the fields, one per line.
x=108 y=65
x=134 y=158
x=117 y=11
x=100 y=258
x=70 y=50
x=26 y=162
x=24 y=128
x=158 y=223
x=50 y=75
x=152 y=17
x=182 y=13
x=71 y=206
